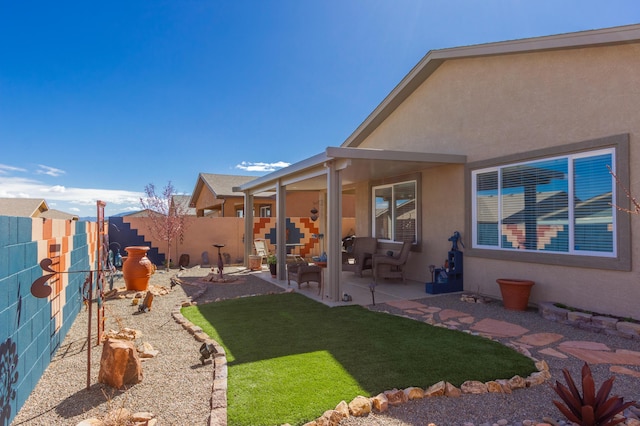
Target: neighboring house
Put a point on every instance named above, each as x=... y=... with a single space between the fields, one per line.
x=507 y=143
x=23 y=207
x=182 y=201
x=57 y=214
x=32 y=207
x=214 y=196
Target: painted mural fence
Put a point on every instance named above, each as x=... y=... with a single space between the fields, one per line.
x=31 y=328
x=202 y=233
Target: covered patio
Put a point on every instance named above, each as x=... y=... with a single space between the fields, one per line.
x=358 y=288
x=336 y=171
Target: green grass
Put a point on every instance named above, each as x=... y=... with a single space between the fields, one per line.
x=290 y=358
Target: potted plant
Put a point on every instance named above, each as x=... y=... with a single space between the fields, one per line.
x=272 y=261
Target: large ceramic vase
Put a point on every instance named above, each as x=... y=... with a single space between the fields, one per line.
x=137 y=269
x=515 y=293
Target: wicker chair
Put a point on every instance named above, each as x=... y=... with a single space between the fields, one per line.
x=302 y=272
x=391 y=266
x=360 y=258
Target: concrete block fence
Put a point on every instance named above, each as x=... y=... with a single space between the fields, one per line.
x=31 y=328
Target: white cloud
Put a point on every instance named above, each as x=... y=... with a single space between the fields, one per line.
x=4 y=169
x=57 y=188
x=262 y=167
x=51 y=171
x=69 y=198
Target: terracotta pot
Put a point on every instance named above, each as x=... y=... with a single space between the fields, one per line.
x=137 y=269
x=255 y=262
x=515 y=293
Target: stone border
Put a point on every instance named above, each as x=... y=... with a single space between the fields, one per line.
x=218 y=401
x=361 y=406
x=596 y=323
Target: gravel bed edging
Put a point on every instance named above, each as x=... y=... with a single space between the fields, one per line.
x=591 y=322
x=218 y=401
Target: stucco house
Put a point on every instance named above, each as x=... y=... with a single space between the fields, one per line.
x=32 y=207
x=510 y=144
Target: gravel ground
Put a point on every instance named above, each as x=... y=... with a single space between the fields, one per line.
x=524 y=404
x=177 y=387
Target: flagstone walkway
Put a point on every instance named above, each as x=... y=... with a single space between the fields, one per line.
x=533 y=343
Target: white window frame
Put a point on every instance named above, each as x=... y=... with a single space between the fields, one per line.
x=393 y=206
x=571 y=207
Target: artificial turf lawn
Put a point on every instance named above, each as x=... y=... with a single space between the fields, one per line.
x=291 y=358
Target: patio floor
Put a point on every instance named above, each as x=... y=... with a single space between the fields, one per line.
x=358 y=288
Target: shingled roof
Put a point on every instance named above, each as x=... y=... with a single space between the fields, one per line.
x=23 y=207
x=221 y=186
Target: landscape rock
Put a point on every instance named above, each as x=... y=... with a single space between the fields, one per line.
x=343 y=409
x=119 y=364
x=517 y=382
x=494 y=387
x=506 y=387
x=414 y=393
x=360 y=406
x=451 y=391
x=473 y=387
x=147 y=351
x=380 y=403
x=437 y=389
x=395 y=397
x=329 y=418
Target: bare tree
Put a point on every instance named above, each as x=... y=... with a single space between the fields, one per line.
x=167 y=217
x=634 y=201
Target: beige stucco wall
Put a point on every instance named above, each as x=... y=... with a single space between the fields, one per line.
x=494 y=106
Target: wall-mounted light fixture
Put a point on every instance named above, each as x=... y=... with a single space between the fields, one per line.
x=314 y=214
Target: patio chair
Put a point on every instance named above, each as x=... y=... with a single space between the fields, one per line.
x=302 y=272
x=361 y=257
x=385 y=266
x=261 y=249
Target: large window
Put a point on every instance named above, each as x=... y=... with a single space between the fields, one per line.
x=394 y=212
x=561 y=204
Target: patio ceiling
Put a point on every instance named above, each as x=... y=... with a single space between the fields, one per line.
x=356 y=164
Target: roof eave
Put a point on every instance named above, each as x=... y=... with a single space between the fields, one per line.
x=433 y=59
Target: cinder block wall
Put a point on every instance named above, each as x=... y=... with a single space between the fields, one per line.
x=31 y=328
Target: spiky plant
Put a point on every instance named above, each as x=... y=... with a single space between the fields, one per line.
x=589 y=409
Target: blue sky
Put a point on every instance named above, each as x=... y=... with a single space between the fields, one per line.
x=98 y=99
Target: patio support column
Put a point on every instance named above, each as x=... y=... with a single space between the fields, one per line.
x=281 y=230
x=248 y=227
x=333 y=237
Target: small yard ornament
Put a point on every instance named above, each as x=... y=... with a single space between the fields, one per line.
x=454 y=241
x=206 y=351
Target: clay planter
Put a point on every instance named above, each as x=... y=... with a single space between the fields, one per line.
x=515 y=293
x=137 y=269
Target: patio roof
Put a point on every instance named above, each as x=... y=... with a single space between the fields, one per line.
x=333 y=170
x=356 y=164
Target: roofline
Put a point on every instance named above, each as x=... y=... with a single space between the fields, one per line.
x=304 y=167
x=268 y=179
x=434 y=58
